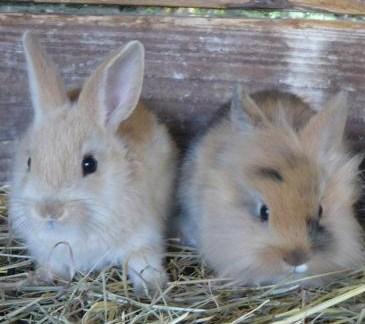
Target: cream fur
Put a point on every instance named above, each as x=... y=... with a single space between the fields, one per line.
x=221 y=192
x=113 y=216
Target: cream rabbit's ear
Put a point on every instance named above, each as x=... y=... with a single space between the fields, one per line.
x=46 y=87
x=244 y=110
x=325 y=130
x=114 y=89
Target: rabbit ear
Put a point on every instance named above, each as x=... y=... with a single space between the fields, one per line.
x=325 y=130
x=244 y=110
x=46 y=87
x=114 y=89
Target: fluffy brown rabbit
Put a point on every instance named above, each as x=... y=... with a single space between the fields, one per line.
x=93 y=175
x=268 y=191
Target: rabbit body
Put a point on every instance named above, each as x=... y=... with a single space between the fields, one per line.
x=268 y=191
x=94 y=172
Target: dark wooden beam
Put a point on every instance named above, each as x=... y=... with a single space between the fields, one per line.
x=353 y=7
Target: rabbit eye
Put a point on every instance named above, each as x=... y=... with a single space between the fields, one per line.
x=264 y=213
x=89 y=165
x=320 y=211
x=29 y=163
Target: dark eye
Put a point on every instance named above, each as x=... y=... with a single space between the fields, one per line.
x=29 y=163
x=320 y=211
x=264 y=213
x=89 y=165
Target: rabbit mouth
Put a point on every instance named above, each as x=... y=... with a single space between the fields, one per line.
x=297 y=271
x=301 y=269
x=51 y=223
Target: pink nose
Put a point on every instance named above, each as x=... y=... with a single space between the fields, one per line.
x=51 y=209
x=296 y=257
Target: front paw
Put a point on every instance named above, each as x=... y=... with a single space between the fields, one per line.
x=148 y=282
x=50 y=275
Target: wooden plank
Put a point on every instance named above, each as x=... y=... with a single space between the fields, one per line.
x=354 y=7
x=192 y=64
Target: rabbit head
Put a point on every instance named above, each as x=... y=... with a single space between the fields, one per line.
x=69 y=157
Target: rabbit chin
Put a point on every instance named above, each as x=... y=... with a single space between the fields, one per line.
x=66 y=245
x=63 y=249
x=298 y=275
x=314 y=272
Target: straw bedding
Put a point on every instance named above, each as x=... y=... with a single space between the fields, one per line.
x=193 y=295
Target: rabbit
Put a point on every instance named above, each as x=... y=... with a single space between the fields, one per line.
x=93 y=172
x=267 y=192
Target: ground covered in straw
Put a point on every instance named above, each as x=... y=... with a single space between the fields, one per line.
x=192 y=296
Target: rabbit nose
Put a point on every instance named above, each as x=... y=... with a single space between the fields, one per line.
x=296 y=257
x=53 y=209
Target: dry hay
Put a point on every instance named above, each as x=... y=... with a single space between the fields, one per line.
x=192 y=296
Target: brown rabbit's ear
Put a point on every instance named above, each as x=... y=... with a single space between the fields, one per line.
x=46 y=87
x=325 y=129
x=244 y=110
x=114 y=89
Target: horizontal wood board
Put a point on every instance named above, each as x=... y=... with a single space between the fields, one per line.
x=353 y=7
x=192 y=64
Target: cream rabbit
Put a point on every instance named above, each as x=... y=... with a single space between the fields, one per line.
x=93 y=175
x=268 y=191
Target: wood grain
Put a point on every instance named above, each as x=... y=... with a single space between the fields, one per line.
x=192 y=64
x=354 y=7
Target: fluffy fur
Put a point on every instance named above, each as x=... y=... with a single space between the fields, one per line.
x=273 y=150
x=74 y=222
